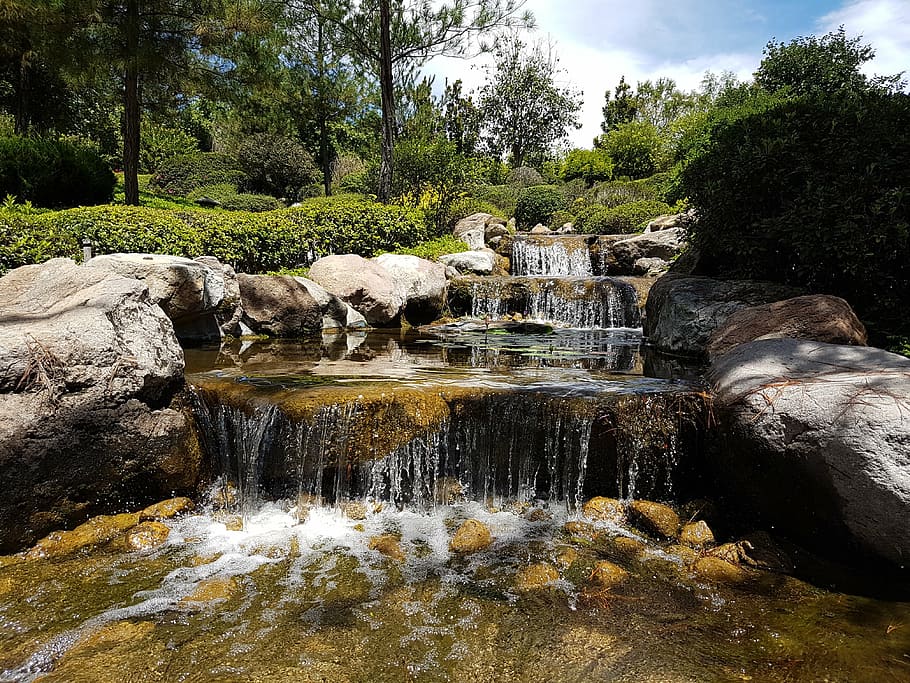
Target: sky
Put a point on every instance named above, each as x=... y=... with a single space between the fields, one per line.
x=598 y=41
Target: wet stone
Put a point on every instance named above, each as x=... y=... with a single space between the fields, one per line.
x=687 y=555
x=144 y=536
x=581 y=529
x=626 y=547
x=654 y=518
x=604 y=510
x=471 y=537
x=355 y=510
x=535 y=577
x=96 y=531
x=696 y=534
x=608 y=575
x=219 y=588
x=717 y=570
x=231 y=522
x=166 y=509
x=566 y=557
x=389 y=545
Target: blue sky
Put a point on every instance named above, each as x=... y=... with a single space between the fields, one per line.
x=600 y=40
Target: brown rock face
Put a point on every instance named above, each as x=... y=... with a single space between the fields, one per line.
x=654 y=518
x=696 y=534
x=279 y=306
x=389 y=545
x=166 y=509
x=604 y=509
x=818 y=317
x=471 y=537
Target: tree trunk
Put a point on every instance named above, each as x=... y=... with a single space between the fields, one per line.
x=325 y=157
x=22 y=92
x=131 y=112
x=388 y=102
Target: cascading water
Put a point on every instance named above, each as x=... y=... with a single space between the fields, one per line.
x=548 y=255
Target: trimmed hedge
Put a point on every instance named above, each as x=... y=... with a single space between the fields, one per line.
x=180 y=175
x=537 y=205
x=251 y=242
x=626 y=218
x=53 y=173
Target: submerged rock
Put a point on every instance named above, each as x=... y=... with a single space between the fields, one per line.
x=655 y=518
x=625 y=547
x=389 y=545
x=608 y=575
x=218 y=588
x=812 y=439
x=696 y=534
x=536 y=576
x=566 y=556
x=471 y=536
x=166 y=509
x=96 y=531
x=604 y=510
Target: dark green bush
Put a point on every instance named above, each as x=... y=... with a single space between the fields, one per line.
x=626 y=218
x=251 y=242
x=812 y=192
x=537 y=205
x=180 y=175
x=524 y=176
x=276 y=165
x=504 y=197
x=254 y=203
x=53 y=173
x=616 y=193
x=466 y=206
x=588 y=165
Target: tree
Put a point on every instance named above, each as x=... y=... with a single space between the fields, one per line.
x=812 y=65
x=635 y=149
x=592 y=166
x=621 y=109
x=461 y=119
x=524 y=111
x=395 y=35
x=660 y=103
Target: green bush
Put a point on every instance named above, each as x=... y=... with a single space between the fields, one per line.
x=179 y=176
x=436 y=247
x=524 y=176
x=251 y=242
x=357 y=182
x=160 y=143
x=634 y=147
x=617 y=193
x=276 y=166
x=53 y=173
x=466 y=206
x=537 y=205
x=812 y=192
x=560 y=218
x=588 y=165
x=626 y=218
x=231 y=200
x=504 y=197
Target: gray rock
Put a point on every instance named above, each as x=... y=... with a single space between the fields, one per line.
x=279 y=306
x=364 y=284
x=815 y=439
x=540 y=229
x=229 y=312
x=471 y=229
x=337 y=316
x=667 y=221
x=422 y=284
x=91 y=410
x=650 y=266
x=682 y=312
x=495 y=230
x=452 y=273
x=477 y=261
x=623 y=254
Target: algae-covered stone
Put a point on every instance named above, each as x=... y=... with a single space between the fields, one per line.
x=719 y=571
x=566 y=556
x=535 y=577
x=654 y=518
x=627 y=547
x=389 y=545
x=471 y=537
x=219 y=588
x=355 y=509
x=686 y=554
x=696 y=534
x=144 y=536
x=608 y=575
x=166 y=509
x=581 y=529
x=94 y=532
x=604 y=509
x=231 y=522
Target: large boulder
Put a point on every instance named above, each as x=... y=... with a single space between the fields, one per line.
x=91 y=409
x=362 y=283
x=818 y=317
x=665 y=244
x=337 y=316
x=279 y=306
x=682 y=312
x=472 y=230
x=422 y=284
x=229 y=313
x=478 y=262
x=188 y=291
x=814 y=440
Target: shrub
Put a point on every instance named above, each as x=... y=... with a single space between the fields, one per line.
x=358 y=182
x=160 y=143
x=53 y=173
x=504 y=197
x=436 y=247
x=253 y=203
x=626 y=218
x=181 y=175
x=560 y=218
x=589 y=165
x=617 y=193
x=276 y=165
x=812 y=192
x=634 y=147
x=537 y=205
x=524 y=176
x=466 y=206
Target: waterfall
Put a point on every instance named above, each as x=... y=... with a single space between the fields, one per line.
x=547 y=255
x=591 y=302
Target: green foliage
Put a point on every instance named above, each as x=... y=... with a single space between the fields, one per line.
x=560 y=218
x=275 y=165
x=618 y=192
x=503 y=197
x=160 y=143
x=899 y=345
x=635 y=149
x=466 y=206
x=251 y=242
x=625 y=218
x=53 y=173
x=358 y=182
x=231 y=200
x=181 y=175
x=537 y=205
x=621 y=109
x=812 y=192
x=590 y=165
x=436 y=247
x=524 y=176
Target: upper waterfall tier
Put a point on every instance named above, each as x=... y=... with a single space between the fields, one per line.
x=568 y=255
x=579 y=302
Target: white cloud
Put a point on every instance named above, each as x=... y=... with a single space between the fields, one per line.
x=883 y=24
